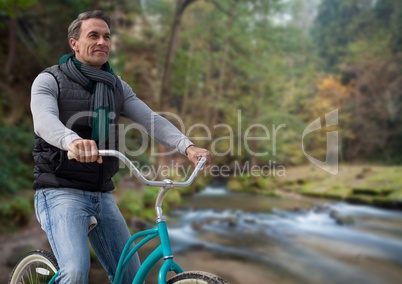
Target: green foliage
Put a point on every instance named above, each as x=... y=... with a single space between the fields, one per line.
x=386 y=179
x=171 y=201
x=130 y=204
x=360 y=40
x=337 y=24
x=16 y=213
x=15 y=154
x=374 y=185
x=396 y=26
x=252 y=184
x=142 y=204
x=258 y=57
x=10 y=7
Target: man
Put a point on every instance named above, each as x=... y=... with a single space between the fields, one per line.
x=75 y=106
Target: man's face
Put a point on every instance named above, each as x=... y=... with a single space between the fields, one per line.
x=93 y=46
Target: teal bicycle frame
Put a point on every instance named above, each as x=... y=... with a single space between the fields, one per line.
x=163 y=251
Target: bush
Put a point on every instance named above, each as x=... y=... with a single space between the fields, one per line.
x=17 y=163
x=142 y=204
x=131 y=204
x=16 y=213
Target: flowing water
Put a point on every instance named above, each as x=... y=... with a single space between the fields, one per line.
x=254 y=239
x=257 y=239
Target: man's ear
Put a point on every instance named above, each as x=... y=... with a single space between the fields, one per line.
x=73 y=44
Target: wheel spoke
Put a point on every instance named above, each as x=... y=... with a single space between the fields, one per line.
x=36 y=267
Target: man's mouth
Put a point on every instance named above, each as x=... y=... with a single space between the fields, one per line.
x=100 y=51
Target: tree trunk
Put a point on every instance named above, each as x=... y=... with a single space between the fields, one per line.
x=187 y=84
x=222 y=69
x=167 y=69
x=12 y=28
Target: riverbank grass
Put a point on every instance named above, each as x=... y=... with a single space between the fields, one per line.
x=367 y=184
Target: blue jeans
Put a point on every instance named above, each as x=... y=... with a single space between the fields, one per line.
x=64 y=214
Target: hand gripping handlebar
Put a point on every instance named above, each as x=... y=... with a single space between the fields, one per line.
x=140 y=176
x=164 y=185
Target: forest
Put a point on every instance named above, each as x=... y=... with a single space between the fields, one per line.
x=298 y=101
x=243 y=78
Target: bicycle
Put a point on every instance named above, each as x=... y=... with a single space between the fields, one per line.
x=40 y=266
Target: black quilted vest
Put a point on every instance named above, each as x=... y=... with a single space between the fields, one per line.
x=52 y=167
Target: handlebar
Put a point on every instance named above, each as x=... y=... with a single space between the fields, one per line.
x=141 y=177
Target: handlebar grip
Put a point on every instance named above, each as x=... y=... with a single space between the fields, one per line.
x=70 y=155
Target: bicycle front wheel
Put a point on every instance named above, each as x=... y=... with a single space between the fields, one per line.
x=36 y=267
x=196 y=277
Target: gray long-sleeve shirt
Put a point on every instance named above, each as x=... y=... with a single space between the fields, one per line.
x=47 y=125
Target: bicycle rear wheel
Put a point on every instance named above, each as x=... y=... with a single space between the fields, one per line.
x=36 y=267
x=196 y=277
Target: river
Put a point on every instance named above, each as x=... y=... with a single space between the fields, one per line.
x=254 y=239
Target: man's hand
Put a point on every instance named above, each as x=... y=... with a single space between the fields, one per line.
x=194 y=154
x=85 y=151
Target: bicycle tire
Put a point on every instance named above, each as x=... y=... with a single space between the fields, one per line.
x=196 y=277
x=36 y=267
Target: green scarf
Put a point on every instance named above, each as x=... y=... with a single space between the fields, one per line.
x=104 y=85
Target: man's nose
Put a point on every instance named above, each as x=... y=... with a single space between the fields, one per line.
x=101 y=41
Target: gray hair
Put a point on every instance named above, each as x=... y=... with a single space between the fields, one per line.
x=74 y=30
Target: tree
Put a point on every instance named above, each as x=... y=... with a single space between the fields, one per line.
x=181 y=6
x=358 y=41
x=337 y=24
x=377 y=100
